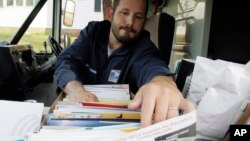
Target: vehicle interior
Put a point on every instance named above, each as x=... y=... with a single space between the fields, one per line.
x=37 y=31
x=180 y=29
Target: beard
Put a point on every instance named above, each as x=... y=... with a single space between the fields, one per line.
x=129 y=34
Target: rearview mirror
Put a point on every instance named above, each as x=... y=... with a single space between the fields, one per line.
x=69 y=12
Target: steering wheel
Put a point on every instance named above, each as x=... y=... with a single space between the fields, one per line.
x=55 y=46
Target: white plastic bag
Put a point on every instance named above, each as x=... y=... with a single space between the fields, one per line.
x=219 y=88
x=206 y=73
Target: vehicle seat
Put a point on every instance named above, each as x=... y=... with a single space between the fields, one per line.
x=161 y=27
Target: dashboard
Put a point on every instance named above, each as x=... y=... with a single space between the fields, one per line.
x=24 y=58
x=19 y=69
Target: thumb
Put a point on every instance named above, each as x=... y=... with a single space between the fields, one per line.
x=136 y=103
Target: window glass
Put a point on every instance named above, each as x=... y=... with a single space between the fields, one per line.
x=9 y=26
x=29 y=2
x=35 y=2
x=19 y=2
x=97 y=6
x=1 y=3
x=40 y=29
x=84 y=13
x=9 y=2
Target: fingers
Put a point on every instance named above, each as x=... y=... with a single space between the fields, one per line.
x=136 y=103
x=155 y=108
x=173 y=106
x=147 y=110
x=89 y=97
x=82 y=97
x=187 y=105
x=160 y=110
x=184 y=104
x=77 y=93
x=146 y=104
x=153 y=102
x=172 y=112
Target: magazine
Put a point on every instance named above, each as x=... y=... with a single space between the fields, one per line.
x=109 y=120
x=178 y=128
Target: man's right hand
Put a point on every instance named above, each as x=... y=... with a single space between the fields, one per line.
x=77 y=93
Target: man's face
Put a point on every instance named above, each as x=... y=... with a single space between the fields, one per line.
x=128 y=20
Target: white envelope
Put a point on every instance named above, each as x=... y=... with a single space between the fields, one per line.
x=19 y=118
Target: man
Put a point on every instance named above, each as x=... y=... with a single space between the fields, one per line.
x=121 y=52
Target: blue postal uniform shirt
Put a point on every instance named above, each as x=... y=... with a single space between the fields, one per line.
x=87 y=60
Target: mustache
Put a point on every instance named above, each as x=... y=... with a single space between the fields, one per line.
x=128 y=29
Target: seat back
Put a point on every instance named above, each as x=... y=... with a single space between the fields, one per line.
x=161 y=27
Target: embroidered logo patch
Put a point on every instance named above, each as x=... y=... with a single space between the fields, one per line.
x=114 y=76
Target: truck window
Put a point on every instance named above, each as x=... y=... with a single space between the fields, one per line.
x=14 y=12
x=85 y=11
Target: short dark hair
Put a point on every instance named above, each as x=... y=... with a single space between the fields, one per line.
x=117 y=2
